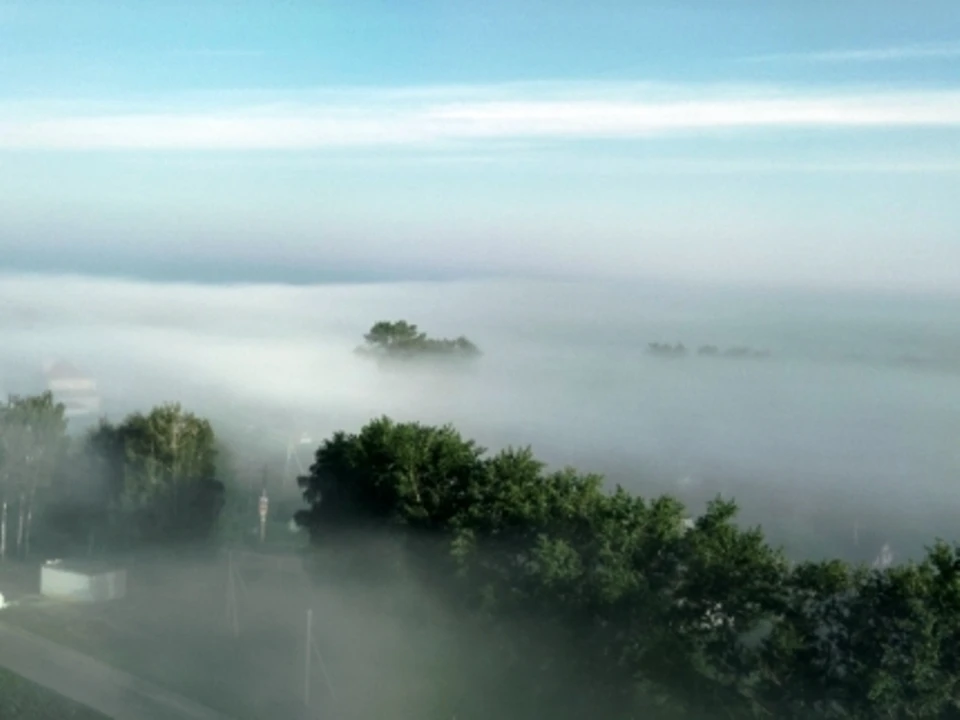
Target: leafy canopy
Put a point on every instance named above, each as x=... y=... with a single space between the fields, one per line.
x=161 y=472
x=33 y=441
x=603 y=604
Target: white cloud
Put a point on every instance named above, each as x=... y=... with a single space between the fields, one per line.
x=712 y=166
x=419 y=117
x=918 y=51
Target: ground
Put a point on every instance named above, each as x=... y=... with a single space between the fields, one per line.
x=22 y=700
x=175 y=629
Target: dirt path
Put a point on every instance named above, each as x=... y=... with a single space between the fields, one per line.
x=112 y=692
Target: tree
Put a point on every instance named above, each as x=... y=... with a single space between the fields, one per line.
x=161 y=473
x=33 y=441
x=599 y=603
x=389 y=478
x=394 y=335
x=401 y=340
x=867 y=643
x=608 y=574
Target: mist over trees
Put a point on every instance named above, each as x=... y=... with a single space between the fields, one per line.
x=565 y=596
x=152 y=478
x=33 y=443
x=160 y=471
x=666 y=350
x=570 y=598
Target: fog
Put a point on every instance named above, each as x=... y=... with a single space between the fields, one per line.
x=851 y=422
x=856 y=407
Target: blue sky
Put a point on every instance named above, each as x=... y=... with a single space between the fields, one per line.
x=800 y=142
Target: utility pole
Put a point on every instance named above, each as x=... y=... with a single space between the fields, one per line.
x=26 y=532
x=262 y=507
x=21 y=521
x=3 y=531
x=307 y=659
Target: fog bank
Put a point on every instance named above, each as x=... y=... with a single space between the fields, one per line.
x=858 y=399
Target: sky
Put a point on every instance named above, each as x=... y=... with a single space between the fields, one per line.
x=794 y=142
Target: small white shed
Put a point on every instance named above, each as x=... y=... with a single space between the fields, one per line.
x=84 y=582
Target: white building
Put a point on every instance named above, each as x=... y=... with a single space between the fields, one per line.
x=78 y=393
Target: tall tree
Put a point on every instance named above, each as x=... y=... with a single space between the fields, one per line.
x=597 y=603
x=162 y=472
x=33 y=437
x=586 y=589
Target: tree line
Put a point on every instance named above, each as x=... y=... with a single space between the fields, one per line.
x=599 y=603
x=590 y=601
x=151 y=478
x=677 y=350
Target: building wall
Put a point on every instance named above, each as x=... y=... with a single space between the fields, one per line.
x=68 y=385
x=78 y=395
x=64 y=584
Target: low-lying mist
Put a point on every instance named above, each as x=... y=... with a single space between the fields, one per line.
x=854 y=411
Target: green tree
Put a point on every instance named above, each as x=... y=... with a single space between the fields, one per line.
x=607 y=587
x=33 y=443
x=394 y=335
x=868 y=643
x=599 y=603
x=161 y=473
x=401 y=340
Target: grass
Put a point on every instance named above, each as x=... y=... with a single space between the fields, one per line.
x=123 y=640
x=180 y=641
x=259 y=674
x=23 y=700
x=173 y=630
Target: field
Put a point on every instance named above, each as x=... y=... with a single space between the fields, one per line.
x=23 y=700
x=173 y=630
x=177 y=629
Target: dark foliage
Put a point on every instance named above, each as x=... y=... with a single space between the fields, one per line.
x=607 y=605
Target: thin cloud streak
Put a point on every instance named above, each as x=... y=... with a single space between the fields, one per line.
x=381 y=119
x=928 y=51
x=686 y=166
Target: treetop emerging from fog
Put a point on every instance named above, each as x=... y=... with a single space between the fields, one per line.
x=402 y=340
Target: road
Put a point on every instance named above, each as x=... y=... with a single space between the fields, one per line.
x=112 y=692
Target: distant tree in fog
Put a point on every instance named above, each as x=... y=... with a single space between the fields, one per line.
x=666 y=350
x=404 y=341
